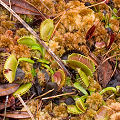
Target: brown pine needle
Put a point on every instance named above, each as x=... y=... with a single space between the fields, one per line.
x=58 y=15
x=64 y=94
x=26 y=107
x=57 y=25
x=45 y=6
x=109 y=51
x=57 y=59
x=97 y=4
x=44 y=94
x=110 y=58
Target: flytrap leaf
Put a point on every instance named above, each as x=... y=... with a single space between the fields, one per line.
x=46 y=29
x=79 y=87
x=10 y=67
x=79 y=61
x=28 y=40
x=17 y=115
x=73 y=109
x=7 y=89
x=31 y=42
x=59 y=77
x=108 y=89
x=26 y=60
x=23 y=89
x=83 y=76
x=80 y=105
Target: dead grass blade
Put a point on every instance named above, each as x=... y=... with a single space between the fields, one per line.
x=26 y=107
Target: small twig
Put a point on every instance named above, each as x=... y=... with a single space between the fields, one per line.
x=51 y=97
x=45 y=6
x=30 y=98
x=6 y=101
x=44 y=94
x=97 y=4
x=58 y=15
x=40 y=105
x=109 y=51
x=106 y=60
x=110 y=58
x=26 y=107
x=57 y=59
x=112 y=10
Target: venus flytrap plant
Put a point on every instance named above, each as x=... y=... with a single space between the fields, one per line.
x=79 y=61
x=79 y=106
x=84 y=66
x=46 y=29
x=58 y=60
x=9 y=72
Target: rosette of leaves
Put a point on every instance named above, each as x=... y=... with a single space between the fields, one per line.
x=31 y=43
x=46 y=29
x=76 y=61
x=59 y=77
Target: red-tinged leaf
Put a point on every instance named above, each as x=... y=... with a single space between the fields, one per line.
x=112 y=38
x=59 y=78
x=22 y=7
x=90 y=32
x=7 y=89
x=104 y=73
x=17 y=115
